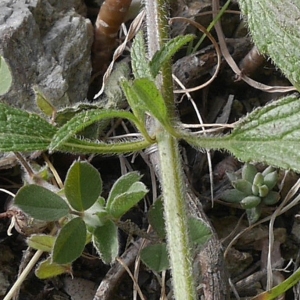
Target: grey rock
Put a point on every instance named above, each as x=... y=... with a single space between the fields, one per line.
x=47 y=44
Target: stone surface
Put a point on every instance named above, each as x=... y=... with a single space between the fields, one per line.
x=46 y=43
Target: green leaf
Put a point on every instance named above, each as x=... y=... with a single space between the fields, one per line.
x=248 y=172
x=250 y=202
x=270 y=134
x=272 y=198
x=275 y=31
x=151 y=100
x=199 y=231
x=44 y=104
x=84 y=119
x=133 y=101
x=105 y=240
x=41 y=242
x=253 y=214
x=5 y=77
x=40 y=203
x=122 y=185
x=167 y=51
x=47 y=269
x=243 y=186
x=155 y=257
x=23 y=131
x=125 y=201
x=232 y=196
x=139 y=61
x=83 y=185
x=70 y=242
x=156 y=218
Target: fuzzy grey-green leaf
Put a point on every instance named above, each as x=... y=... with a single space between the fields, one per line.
x=41 y=203
x=274 y=26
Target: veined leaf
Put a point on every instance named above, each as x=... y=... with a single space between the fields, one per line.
x=105 y=240
x=5 y=77
x=23 y=131
x=167 y=51
x=84 y=119
x=83 y=185
x=40 y=203
x=270 y=135
x=275 y=31
x=70 y=242
x=139 y=61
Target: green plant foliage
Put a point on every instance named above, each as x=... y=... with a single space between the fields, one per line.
x=105 y=240
x=70 y=242
x=265 y=135
x=156 y=218
x=83 y=185
x=84 y=119
x=47 y=269
x=199 y=231
x=5 y=77
x=252 y=190
x=125 y=201
x=275 y=31
x=155 y=257
x=139 y=60
x=122 y=185
x=41 y=242
x=40 y=203
x=23 y=131
x=44 y=104
x=151 y=100
x=167 y=51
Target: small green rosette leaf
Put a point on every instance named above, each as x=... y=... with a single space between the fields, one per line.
x=250 y=202
x=232 y=196
x=83 y=185
x=253 y=214
x=70 y=242
x=272 y=198
x=40 y=203
x=155 y=257
x=271 y=179
x=243 y=186
x=105 y=240
x=248 y=172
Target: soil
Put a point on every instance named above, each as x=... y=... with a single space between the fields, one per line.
x=225 y=100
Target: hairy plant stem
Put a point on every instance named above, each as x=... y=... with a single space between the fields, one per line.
x=171 y=176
